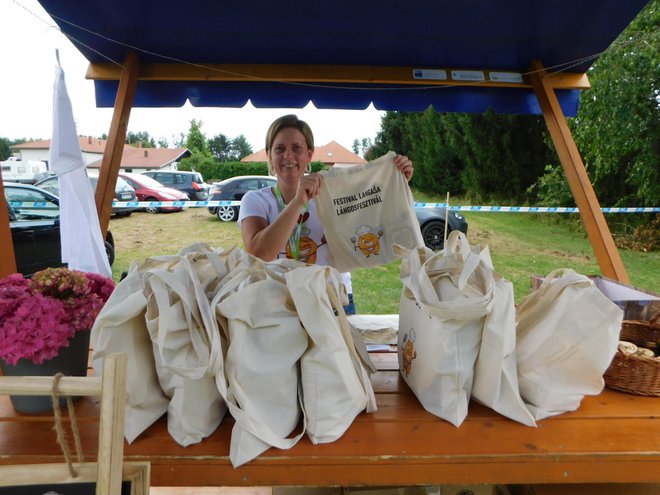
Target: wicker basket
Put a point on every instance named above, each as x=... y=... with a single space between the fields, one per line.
x=631 y=373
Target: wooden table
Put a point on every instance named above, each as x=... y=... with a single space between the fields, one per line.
x=613 y=437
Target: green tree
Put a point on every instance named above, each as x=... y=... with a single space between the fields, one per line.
x=240 y=147
x=356 y=146
x=5 y=151
x=503 y=154
x=220 y=146
x=141 y=138
x=362 y=147
x=196 y=141
x=162 y=143
x=618 y=123
x=487 y=156
x=224 y=149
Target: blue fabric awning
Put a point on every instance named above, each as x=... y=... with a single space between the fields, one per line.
x=506 y=35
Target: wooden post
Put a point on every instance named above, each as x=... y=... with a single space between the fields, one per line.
x=7 y=255
x=592 y=216
x=105 y=189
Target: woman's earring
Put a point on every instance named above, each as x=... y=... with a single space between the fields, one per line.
x=308 y=170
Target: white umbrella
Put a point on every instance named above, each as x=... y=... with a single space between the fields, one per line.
x=83 y=247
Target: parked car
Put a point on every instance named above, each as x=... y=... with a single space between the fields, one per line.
x=432 y=224
x=35 y=232
x=234 y=189
x=123 y=191
x=148 y=189
x=191 y=183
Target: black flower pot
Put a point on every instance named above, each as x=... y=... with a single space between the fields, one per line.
x=71 y=361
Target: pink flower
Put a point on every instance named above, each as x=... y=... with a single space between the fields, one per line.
x=39 y=316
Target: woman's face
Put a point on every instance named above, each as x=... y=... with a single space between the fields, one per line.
x=289 y=154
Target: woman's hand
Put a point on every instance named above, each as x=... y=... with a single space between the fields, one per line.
x=404 y=164
x=309 y=187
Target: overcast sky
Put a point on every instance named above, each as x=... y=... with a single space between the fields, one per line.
x=29 y=37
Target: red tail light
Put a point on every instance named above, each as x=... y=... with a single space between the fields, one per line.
x=196 y=186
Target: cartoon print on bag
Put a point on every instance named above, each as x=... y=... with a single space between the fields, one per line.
x=366 y=239
x=408 y=352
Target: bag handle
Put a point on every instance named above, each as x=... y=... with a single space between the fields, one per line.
x=538 y=301
x=359 y=361
x=161 y=281
x=457 y=243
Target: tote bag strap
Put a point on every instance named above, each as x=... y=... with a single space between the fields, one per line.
x=537 y=303
x=210 y=323
x=457 y=243
x=259 y=429
x=161 y=282
x=359 y=361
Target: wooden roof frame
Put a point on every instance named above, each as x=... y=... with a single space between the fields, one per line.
x=543 y=84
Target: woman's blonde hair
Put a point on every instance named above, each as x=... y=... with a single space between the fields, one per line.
x=285 y=122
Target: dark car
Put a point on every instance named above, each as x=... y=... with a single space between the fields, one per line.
x=234 y=189
x=432 y=223
x=148 y=189
x=35 y=228
x=123 y=191
x=190 y=183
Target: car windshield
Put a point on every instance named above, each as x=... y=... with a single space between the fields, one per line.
x=121 y=183
x=198 y=178
x=147 y=181
x=30 y=204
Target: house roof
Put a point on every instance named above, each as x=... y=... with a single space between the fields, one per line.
x=147 y=158
x=345 y=55
x=87 y=145
x=331 y=153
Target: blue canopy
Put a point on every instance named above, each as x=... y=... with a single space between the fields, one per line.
x=427 y=35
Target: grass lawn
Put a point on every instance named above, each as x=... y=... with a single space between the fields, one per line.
x=521 y=245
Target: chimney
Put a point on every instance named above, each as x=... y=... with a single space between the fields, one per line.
x=89 y=139
x=146 y=153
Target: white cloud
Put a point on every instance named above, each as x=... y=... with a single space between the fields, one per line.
x=26 y=94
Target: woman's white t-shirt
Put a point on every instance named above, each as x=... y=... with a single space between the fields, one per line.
x=313 y=247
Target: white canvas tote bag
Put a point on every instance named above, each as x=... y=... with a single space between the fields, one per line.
x=121 y=327
x=365 y=210
x=186 y=346
x=260 y=380
x=567 y=335
x=496 y=374
x=211 y=265
x=444 y=301
x=335 y=383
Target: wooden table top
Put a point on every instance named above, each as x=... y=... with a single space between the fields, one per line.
x=612 y=437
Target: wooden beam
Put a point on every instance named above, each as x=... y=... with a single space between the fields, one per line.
x=592 y=217
x=8 y=257
x=105 y=189
x=355 y=74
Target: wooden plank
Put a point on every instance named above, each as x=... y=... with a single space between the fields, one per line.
x=42 y=385
x=315 y=74
x=612 y=437
x=378 y=446
x=114 y=148
x=111 y=431
x=592 y=217
x=137 y=474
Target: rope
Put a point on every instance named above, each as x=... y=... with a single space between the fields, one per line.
x=59 y=429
